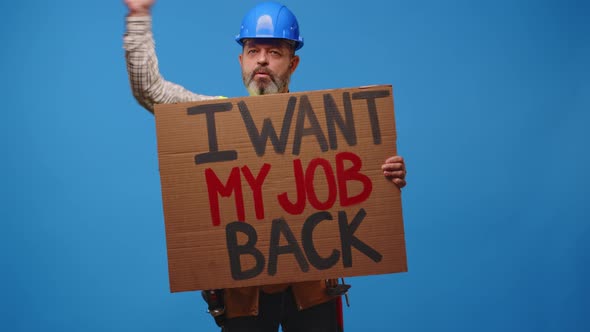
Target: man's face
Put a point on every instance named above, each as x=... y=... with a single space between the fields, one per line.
x=267 y=65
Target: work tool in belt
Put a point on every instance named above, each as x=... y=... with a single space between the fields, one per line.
x=334 y=288
x=215 y=305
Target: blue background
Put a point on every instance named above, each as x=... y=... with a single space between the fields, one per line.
x=492 y=107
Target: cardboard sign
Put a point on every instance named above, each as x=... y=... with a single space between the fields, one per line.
x=279 y=188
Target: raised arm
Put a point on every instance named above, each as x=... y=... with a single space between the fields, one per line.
x=147 y=84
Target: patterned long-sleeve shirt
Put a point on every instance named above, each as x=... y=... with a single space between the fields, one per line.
x=147 y=84
x=150 y=88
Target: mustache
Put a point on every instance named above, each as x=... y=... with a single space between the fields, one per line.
x=262 y=70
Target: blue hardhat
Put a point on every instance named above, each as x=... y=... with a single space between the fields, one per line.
x=270 y=20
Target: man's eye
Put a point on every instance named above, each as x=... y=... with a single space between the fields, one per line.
x=251 y=51
x=276 y=53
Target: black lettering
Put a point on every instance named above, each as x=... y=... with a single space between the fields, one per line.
x=348 y=239
x=214 y=155
x=259 y=139
x=235 y=250
x=333 y=117
x=315 y=129
x=280 y=226
x=370 y=96
x=307 y=240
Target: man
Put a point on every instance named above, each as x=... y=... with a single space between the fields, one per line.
x=269 y=36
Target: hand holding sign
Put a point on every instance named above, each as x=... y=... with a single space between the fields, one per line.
x=394 y=168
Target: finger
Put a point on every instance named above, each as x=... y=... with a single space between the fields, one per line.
x=395 y=174
x=400 y=183
x=395 y=159
x=392 y=167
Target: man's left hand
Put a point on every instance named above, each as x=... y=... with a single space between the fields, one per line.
x=395 y=170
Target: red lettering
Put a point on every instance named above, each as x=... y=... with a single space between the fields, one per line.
x=256 y=186
x=297 y=207
x=351 y=174
x=214 y=187
x=310 y=188
x=336 y=185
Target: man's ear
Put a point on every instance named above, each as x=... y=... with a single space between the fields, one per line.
x=294 y=63
x=240 y=59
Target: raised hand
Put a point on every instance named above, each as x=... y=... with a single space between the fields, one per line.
x=139 y=7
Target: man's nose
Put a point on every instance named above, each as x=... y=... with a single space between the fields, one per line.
x=262 y=58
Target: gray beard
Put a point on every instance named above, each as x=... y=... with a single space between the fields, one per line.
x=266 y=87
